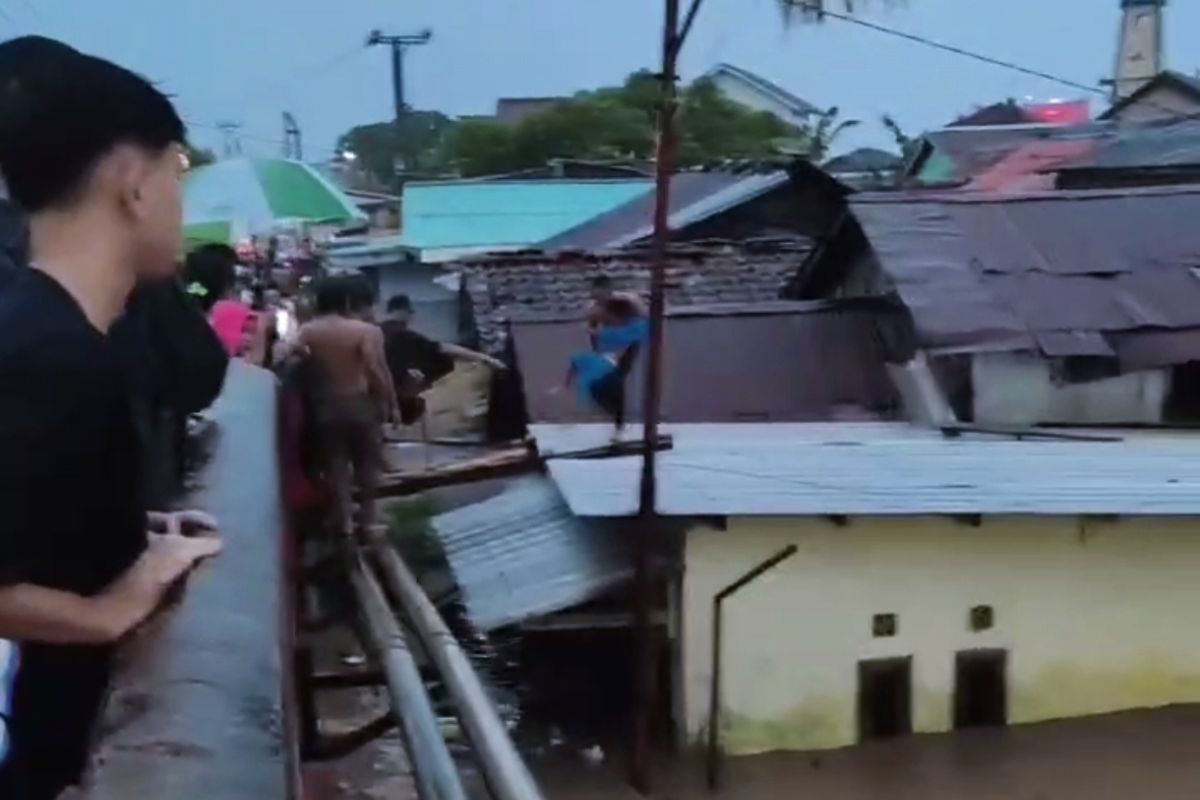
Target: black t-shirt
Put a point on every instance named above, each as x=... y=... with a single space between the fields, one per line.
x=406 y=349
x=71 y=518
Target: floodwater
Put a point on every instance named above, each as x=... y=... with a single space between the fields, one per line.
x=1145 y=755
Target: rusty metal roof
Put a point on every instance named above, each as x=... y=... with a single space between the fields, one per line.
x=1168 y=143
x=765 y=362
x=517 y=285
x=523 y=554
x=1017 y=272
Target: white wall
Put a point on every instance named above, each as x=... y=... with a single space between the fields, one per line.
x=742 y=94
x=1020 y=389
x=1096 y=616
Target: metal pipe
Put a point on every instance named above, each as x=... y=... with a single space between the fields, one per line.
x=506 y=773
x=437 y=777
x=714 y=688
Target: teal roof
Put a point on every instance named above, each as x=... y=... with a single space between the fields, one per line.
x=507 y=213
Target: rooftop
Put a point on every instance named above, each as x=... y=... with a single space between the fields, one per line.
x=518 y=285
x=884 y=469
x=798 y=106
x=1087 y=273
x=505 y=214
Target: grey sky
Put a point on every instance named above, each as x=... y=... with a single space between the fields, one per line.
x=251 y=59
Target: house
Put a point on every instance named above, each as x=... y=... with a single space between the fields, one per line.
x=758 y=94
x=1157 y=153
x=498 y=289
x=1078 y=307
x=935 y=583
x=1169 y=95
x=446 y=220
x=737 y=362
x=865 y=168
x=514 y=110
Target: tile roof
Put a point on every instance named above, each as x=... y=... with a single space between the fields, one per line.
x=523 y=553
x=781 y=361
x=519 y=285
x=880 y=469
x=460 y=214
x=1005 y=273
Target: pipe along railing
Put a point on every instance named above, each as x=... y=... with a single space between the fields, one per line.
x=436 y=775
x=507 y=776
x=714 y=689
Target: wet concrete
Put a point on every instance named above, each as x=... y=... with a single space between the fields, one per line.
x=1148 y=755
x=196 y=709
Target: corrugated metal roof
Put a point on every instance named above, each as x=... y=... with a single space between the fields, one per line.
x=988 y=272
x=880 y=469
x=512 y=287
x=1169 y=143
x=960 y=154
x=759 y=362
x=695 y=196
x=461 y=214
x=523 y=554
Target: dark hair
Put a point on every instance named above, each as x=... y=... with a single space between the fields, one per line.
x=209 y=272
x=602 y=281
x=331 y=296
x=61 y=111
x=360 y=293
x=399 y=302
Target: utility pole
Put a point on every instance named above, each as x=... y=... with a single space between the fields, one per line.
x=232 y=142
x=399 y=44
x=292 y=146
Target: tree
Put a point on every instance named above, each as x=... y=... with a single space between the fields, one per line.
x=385 y=150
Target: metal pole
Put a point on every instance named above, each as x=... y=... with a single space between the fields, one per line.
x=714 y=687
x=437 y=777
x=506 y=773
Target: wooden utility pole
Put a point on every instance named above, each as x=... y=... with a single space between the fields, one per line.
x=399 y=44
x=646 y=645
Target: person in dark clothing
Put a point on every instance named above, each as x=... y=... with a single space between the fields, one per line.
x=12 y=240
x=93 y=156
x=417 y=362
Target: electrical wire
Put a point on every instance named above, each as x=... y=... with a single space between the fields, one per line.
x=947 y=48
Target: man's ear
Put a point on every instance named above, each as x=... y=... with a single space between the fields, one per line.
x=122 y=174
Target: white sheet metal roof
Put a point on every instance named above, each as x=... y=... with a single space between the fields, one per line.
x=880 y=469
x=523 y=554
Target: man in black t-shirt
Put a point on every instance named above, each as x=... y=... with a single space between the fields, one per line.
x=93 y=155
x=417 y=362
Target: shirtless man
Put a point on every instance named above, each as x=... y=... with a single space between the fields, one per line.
x=354 y=396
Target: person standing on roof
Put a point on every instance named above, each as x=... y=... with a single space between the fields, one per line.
x=416 y=362
x=94 y=156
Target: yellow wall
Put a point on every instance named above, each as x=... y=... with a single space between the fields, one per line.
x=1097 y=616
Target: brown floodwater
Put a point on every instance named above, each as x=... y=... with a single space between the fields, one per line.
x=1148 y=755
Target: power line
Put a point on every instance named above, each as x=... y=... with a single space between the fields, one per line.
x=948 y=48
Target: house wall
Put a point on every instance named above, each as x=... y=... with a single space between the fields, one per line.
x=1162 y=103
x=1095 y=616
x=1020 y=389
x=745 y=95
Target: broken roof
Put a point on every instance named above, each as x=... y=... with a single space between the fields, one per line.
x=811 y=469
x=523 y=553
x=956 y=155
x=517 y=285
x=1066 y=273
x=781 y=361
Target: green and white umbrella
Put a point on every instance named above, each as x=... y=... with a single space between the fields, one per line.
x=230 y=200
